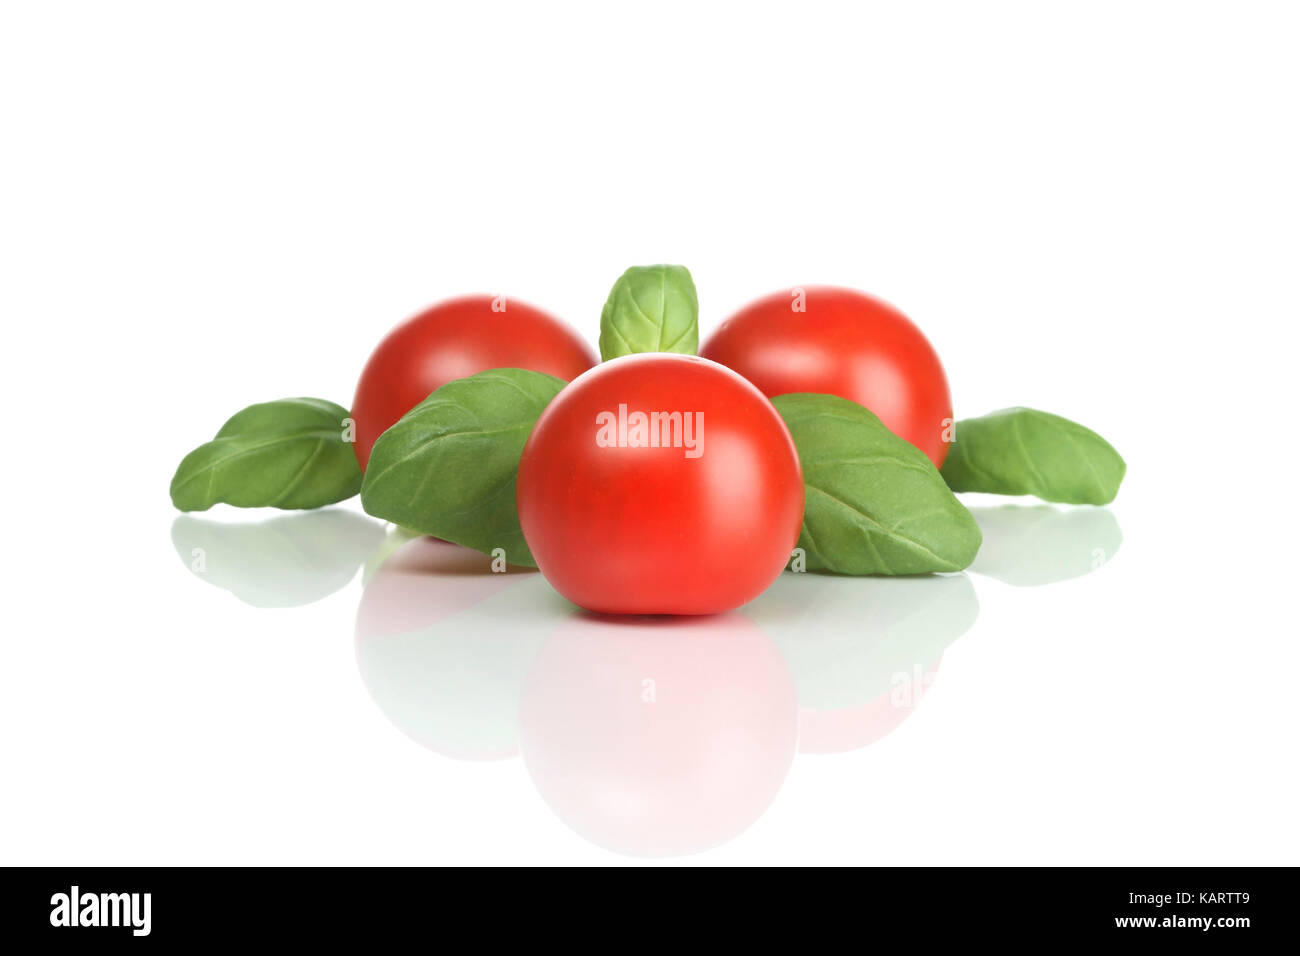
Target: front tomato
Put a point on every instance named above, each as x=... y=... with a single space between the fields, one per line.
x=660 y=484
x=846 y=343
x=456 y=339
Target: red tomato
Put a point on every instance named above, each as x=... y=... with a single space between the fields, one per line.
x=843 y=343
x=660 y=484
x=454 y=339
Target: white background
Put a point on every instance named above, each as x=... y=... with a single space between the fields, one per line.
x=1089 y=208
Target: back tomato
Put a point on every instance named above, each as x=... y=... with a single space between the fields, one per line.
x=455 y=339
x=660 y=484
x=843 y=343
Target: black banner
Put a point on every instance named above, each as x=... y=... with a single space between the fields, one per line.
x=137 y=906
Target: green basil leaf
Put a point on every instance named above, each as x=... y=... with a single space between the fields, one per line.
x=651 y=309
x=447 y=468
x=1020 y=451
x=874 y=503
x=286 y=454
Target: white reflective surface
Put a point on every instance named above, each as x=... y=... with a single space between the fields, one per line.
x=367 y=680
x=647 y=736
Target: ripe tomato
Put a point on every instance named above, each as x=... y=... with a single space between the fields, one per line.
x=660 y=484
x=843 y=343
x=451 y=340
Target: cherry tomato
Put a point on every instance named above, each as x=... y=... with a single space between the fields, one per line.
x=454 y=339
x=660 y=484
x=843 y=343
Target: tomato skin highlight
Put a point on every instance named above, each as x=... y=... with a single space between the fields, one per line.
x=452 y=340
x=844 y=343
x=622 y=529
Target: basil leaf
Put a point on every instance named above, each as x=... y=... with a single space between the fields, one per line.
x=447 y=468
x=874 y=503
x=1020 y=451
x=284 y=454
x=650 y=309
